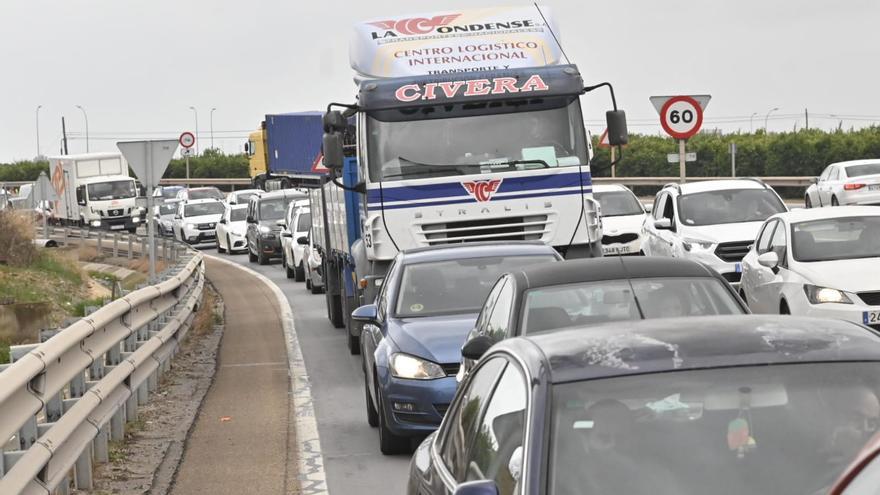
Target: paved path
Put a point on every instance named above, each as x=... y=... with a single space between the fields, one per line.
x=243 y=441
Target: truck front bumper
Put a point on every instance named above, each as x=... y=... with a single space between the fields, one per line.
x=112 y=224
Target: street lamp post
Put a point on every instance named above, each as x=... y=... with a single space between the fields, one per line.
x=38 y=130
x=196 y=113
x=751 y=125
x=212 y=127
x=767 y=117
x=86 y=117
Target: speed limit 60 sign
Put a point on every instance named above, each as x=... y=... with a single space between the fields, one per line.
x=681 y=117
x=187 y=139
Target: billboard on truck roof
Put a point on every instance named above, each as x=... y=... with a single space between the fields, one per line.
x=452 y=41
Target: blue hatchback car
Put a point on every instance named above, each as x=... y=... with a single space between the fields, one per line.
x=412 y=335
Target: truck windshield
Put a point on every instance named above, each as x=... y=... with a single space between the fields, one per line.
x=118 y=189
x=476 y=138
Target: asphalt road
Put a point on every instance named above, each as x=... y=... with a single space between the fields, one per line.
x=352 y=460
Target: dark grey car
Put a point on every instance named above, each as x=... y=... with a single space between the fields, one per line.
x=263 y=232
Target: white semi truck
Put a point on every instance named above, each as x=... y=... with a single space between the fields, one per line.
x=95 y=190
x=467 y=127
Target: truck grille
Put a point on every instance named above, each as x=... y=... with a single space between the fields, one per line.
x=619 y=239
x=115 y=213
x=870 y=298
x=530 y=228
x=206 y=226
x=732 y=251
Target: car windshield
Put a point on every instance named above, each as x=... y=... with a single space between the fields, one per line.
x=784 y=429
x=728 y=206
x=486 y=142
x=836 y=239
x=238 y=215
x=199 y=209
x=167 y=209
x=456 y=286
x=117 y=189
x=244 y=197
x=860 y=170
x=550 y=308
x=170 y=192
x=304 y=222
x=206 y=193
x=618 y=203
x=273 y=209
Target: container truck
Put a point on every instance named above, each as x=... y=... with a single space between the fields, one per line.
x=469 y=128
x=286 y=150
x=95 y=190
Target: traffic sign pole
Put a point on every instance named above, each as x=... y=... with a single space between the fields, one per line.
x=682 y=157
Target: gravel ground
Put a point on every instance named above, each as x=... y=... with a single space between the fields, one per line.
x=146 y=462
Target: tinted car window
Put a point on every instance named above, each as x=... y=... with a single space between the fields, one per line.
x=238 y=215
x=618 y=203
x=499 y=321
x=500 y=433
x=454 y=286
x=765 y=237
x=728 y=206
x=836 y=239
x=272 y=209
x=303 y=222
x=734 y=428
x=461 y=424
x=861 y=170
x=550 y=308
x=489 y=305
x=199 y=209
x=205 y=194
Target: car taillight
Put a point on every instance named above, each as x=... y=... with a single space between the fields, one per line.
x=852 y=187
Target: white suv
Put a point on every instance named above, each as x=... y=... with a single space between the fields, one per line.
x=713 y=222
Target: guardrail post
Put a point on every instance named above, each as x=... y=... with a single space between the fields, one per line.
x=131 y=408
x=78 y=385
x=117 y=421
x=144 y=248
x=143 y=395
x=100 y=239
x=64 y=487
x=54 y=408
x=82 y=470
x=129 y=246
x=100 y=444
x=115 y=245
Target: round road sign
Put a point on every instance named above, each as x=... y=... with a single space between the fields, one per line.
x=681 y=117
x=187 y=140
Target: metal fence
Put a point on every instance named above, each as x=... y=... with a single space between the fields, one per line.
x=63 y=400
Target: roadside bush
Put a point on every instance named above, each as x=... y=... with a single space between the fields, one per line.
x=17 y=238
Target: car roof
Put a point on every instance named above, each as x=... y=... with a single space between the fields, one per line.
x=670 y=344
x=610 y=268
x=445 y=252
x=238 y=206
x=719 y=185
x=282 y=193
x=202 y=188
x=856 y=162
x=807 y=214
x=203 y=200
x=249 y=191
x=600 y=188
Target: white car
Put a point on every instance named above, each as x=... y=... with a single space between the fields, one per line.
x=241 y=197
x=713 y=222
x=622 y=218
x=819 y=262
x=855 y=182
x=297 y=223
x=196 y=221
x=232 y=229
x=192 y=193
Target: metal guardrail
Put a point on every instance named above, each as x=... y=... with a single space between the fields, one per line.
x=62 y=401
x=781 y=181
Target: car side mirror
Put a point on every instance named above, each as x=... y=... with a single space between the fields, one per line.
x=476 y=347
x=333 y=155
x=663 y=224
x=814 y=180
x=287 y=235
x=302 y=240
x=617 y=133
x=367 y=313
x=222 y=220
x=648 y=207
x=250 y=219
x=281 y=223
x=178 y=217
x=769 y=260
x=479 y=487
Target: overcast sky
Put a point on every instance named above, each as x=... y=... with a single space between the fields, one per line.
x=137 y=66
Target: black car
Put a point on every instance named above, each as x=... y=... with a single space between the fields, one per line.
x=593 y=291
x=263 y=234
x=702 y=405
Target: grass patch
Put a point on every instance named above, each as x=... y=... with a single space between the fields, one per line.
x=4 y=351
x=107 y=278
x=79 y=309
x=206 y=316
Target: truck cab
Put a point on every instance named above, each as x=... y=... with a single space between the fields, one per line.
x=108 y=202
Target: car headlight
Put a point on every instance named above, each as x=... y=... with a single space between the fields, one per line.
x=820 y=295
x=136 y=219
x=406 y=366
x=265 y=230
x=690 y=244
x=190 y=226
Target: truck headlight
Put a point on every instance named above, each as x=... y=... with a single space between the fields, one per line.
x=820 y=295
x=136 y=219
x=96 y=223
x=413 y=368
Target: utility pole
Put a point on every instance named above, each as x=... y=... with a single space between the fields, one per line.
x=733 y=159
x=807 y=119
x=64 y=134
x=86 y=117
x=38 y=130
x=212 y=127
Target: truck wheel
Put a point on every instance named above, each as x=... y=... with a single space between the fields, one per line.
x=287 y=269
x=285 y=184
x=299 y=272
x=261 y=257
x=251 y=256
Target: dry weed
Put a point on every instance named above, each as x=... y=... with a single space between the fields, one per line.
x=17 y=238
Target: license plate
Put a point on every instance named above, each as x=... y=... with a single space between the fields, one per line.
x=871 y=317
x=874 y=187
x=117 y=227
x=616 y=250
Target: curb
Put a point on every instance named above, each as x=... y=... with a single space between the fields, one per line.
x=312 y=478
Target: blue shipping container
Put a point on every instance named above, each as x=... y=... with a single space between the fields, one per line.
x=294 y=142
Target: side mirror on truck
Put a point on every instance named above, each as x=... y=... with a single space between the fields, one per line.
x=334 y=121
x=80 y=196
x=333 y=156
x=617 y=133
